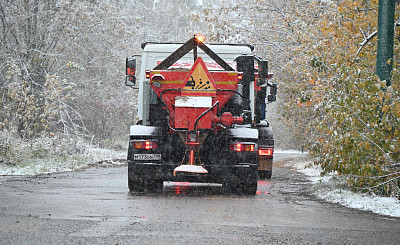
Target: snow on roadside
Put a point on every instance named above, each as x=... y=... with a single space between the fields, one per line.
x=91 y=156
x=333 y=189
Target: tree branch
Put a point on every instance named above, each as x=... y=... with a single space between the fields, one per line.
x=367 y=39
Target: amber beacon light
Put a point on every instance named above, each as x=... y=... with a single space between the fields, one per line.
x=200 y=38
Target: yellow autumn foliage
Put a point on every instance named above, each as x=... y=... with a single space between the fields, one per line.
x=355 y=118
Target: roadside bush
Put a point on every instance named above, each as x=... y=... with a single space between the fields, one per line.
x=15 y=151
x=353 y=119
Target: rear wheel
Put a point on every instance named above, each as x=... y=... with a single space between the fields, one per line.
x=264 y=174
x=251 y=187
x=142 y=181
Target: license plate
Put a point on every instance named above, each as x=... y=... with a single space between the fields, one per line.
x=147 y=157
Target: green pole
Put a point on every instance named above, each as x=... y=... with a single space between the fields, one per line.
x=384 y=59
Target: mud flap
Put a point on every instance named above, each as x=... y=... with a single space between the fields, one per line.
x=242 y=180
x=142 y=179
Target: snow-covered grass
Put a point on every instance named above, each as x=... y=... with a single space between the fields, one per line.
x=332 y=188
x=90 y=156
x=51 y=154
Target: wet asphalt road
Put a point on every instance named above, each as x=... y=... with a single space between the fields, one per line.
x=94 y=206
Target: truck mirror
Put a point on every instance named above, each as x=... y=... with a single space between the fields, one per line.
x=271 y=98
x=273 y=89
x=130 y=72
x=263 y=69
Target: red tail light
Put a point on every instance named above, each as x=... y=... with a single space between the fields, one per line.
x=265 y=152
x=147 y=145
x=238 y=147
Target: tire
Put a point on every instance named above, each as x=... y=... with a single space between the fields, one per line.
x=229 y=187
x=264 y=174
x=153 y=185
x=250 y=187
x=145 y=185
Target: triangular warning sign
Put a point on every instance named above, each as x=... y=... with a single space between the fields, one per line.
x=199 y=82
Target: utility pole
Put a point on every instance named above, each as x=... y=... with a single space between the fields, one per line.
x=384 y=59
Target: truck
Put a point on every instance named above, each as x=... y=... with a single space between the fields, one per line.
x=201 y=116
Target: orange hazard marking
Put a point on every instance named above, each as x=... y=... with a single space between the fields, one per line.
x=199 y=80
